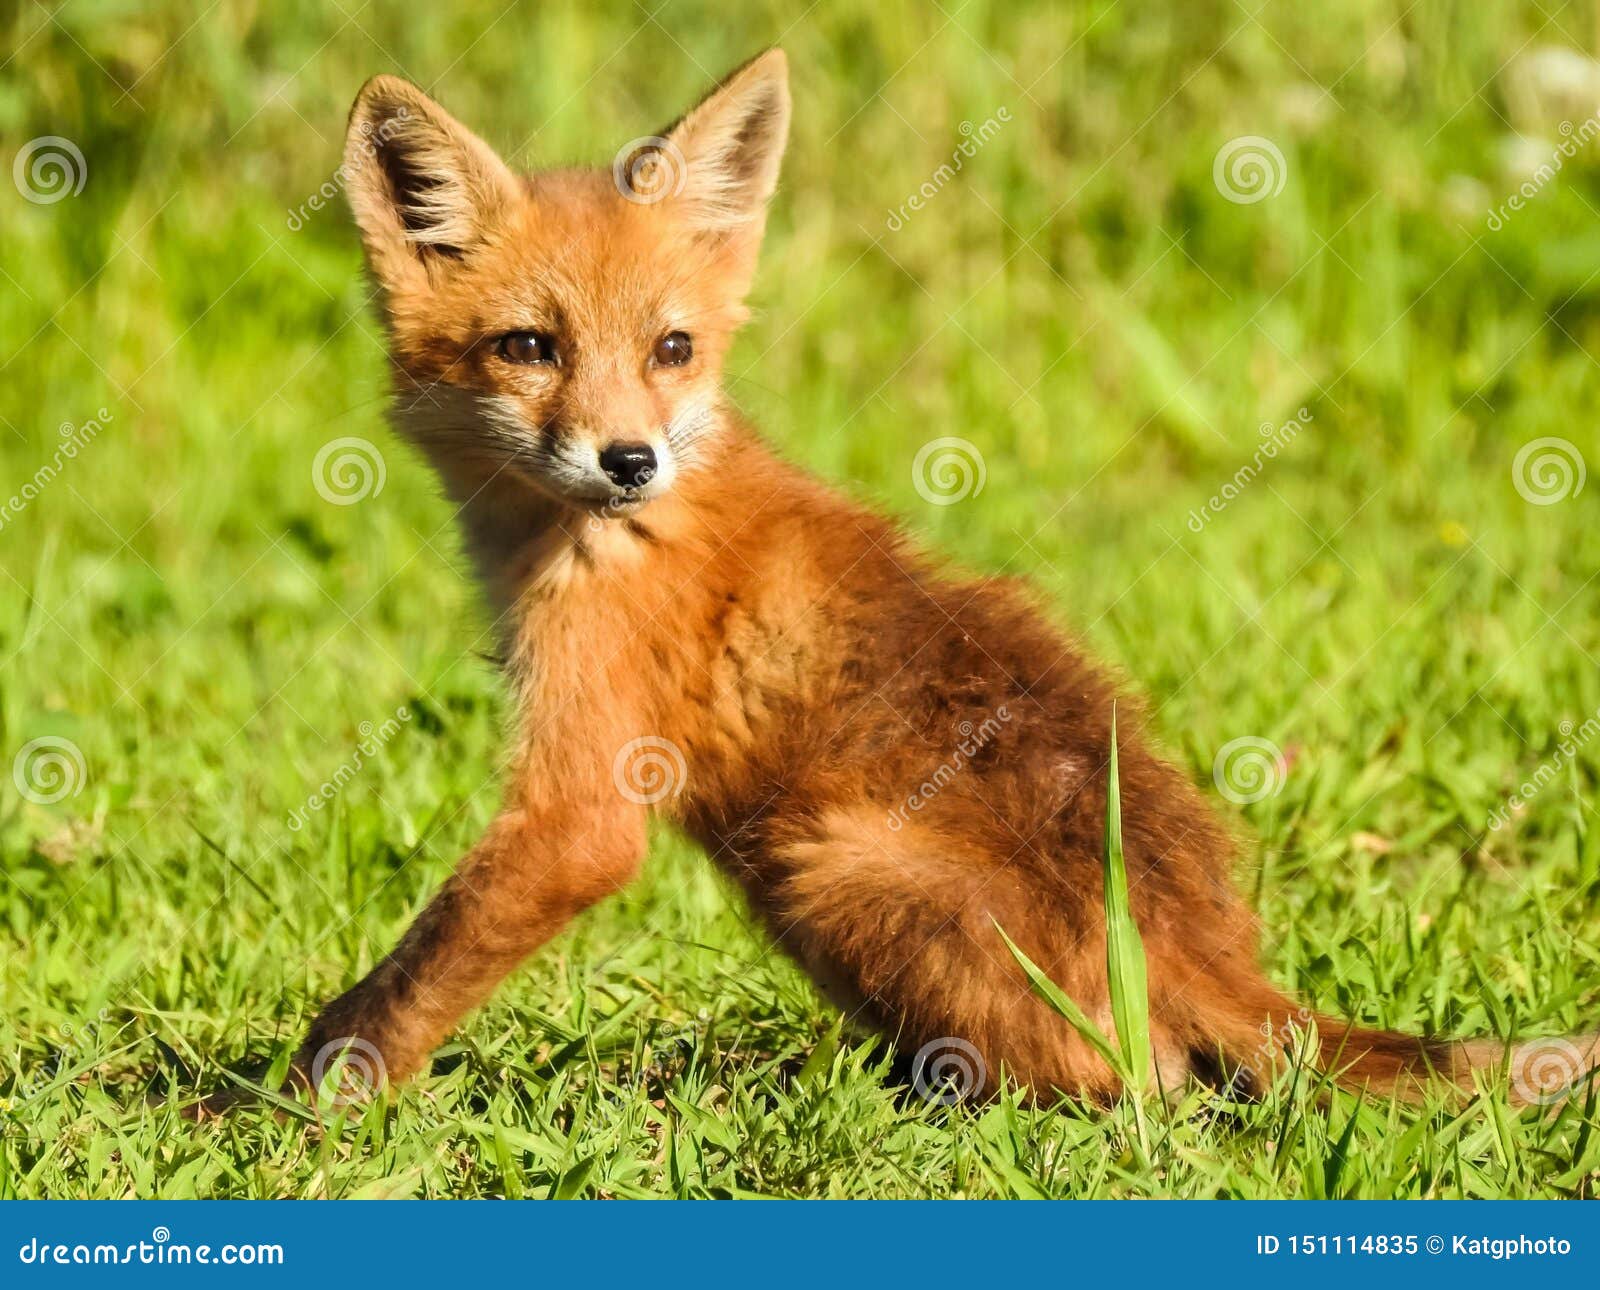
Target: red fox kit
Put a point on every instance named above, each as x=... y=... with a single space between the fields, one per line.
x=692 y=625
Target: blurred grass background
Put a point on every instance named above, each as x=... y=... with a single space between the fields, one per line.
x=1081 y=302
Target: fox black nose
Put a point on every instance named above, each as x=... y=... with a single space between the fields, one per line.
x=629 y=464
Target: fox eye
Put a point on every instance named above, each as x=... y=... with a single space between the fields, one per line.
x=673 y=349
x=527 y=347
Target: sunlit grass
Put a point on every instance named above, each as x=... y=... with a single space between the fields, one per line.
x=1081 y=303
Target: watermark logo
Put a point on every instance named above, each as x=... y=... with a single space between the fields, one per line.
x=974 y=137
x=347 y=1072
x=48 y=769
x=1573 y=737
x=1274 y=439
x=1249 y=169
x=616 y=507
x=649 y=770
x=671 y=1039
x=649 y=170
x=49 y=168
x=74 y=439
x=373 y=738
x=1547 y=1070
x=1547 y=471
x=372 y=140
x=948 y=1070
x=348 y=470
x=1248 y=769
x=1572 y=139
x=1277 y=1039
x=74 y=1041
x=160 y=1250
x=949 y=470
x=971 y=739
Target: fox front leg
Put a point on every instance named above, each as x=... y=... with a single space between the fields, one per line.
x=529 y=875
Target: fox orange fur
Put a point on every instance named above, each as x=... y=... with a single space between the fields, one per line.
x=666 y=587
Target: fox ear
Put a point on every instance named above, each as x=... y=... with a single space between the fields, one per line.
x=423 y=188
x=727 y=150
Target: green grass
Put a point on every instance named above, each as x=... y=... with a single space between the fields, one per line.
x=1080 y=302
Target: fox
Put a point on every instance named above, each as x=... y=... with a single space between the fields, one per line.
x=694 y=627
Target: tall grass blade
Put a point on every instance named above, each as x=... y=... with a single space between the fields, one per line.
x=1129 y=1056
x=1061 y=1002
x=1125 y=964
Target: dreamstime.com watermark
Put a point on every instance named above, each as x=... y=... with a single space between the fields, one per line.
x=671 y=1039
x=616 y=507
x=649 y=170
x=1573 y=138
x=74 y=439
x=49 y=168
x=1573 y=738
x=972 y=739
x=160 y=1250
x=1547 y=1071
x=948 y=470
x=1274 y=439
x=1277 y=1039
x=1248 y=769
x=973 y=138
x=48 y=769
x=948 y=1070
x=348 y=470
x=373 y=738
x=348 y=1071
x=1549 y=470
x=332 y=187
x=1249 y=169
x=649 y=770
x=75 y=1041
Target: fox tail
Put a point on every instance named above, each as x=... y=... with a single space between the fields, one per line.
x=1253 y=1026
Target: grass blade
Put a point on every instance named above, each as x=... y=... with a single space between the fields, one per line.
x=1129 y=1056
x=1125 y=964
x=1059 y=1000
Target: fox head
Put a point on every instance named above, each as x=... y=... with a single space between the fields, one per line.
x=565 y=328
